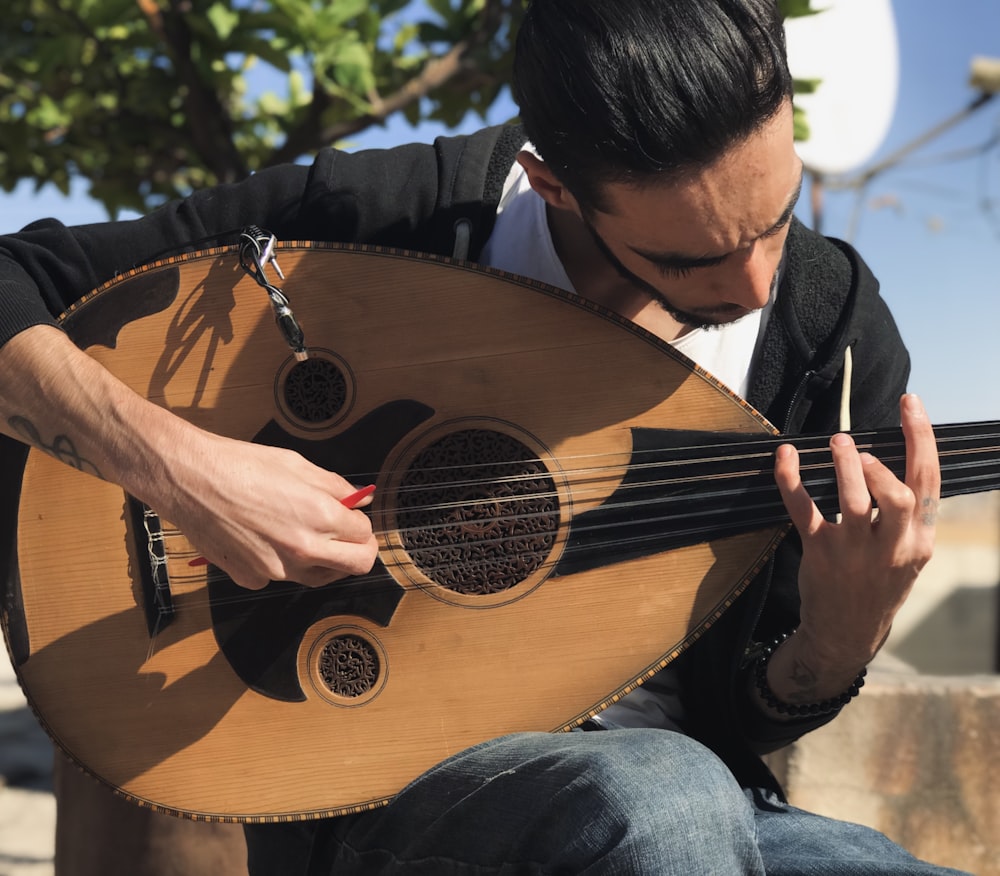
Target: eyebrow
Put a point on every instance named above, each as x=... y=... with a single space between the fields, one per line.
x=685 y=262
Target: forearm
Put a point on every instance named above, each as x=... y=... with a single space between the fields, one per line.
x=260 y=513
x=57 y=399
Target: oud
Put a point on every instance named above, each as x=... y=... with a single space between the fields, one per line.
x=563 y=505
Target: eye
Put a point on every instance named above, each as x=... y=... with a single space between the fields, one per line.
x=672 y=272
x=777 y=229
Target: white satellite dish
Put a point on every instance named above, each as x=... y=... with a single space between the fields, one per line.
x=851 y=46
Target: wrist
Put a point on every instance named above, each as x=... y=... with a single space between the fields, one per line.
x=836 y=656
x=166 y=468
x=789 y=681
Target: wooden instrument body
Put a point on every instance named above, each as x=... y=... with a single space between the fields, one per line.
x=168 y=722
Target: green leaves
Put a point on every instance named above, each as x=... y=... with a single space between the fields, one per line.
x=149 y=99
x=223 y=19
x=796 y=8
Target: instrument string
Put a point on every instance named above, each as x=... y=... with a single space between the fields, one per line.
x=696 y=470
x=581 y=495
x=964 y=469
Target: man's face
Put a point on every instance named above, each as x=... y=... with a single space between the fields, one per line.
x=707 y=247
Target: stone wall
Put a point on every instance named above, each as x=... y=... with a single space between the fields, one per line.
x=915 y=756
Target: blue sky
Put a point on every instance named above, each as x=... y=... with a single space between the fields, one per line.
x=925 y=227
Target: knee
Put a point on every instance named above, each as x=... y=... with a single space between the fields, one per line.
x=669 y=800
x=659 y=769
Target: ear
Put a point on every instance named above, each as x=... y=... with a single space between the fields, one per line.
x=546 y=184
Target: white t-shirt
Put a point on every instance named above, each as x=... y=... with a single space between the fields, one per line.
x=521 y=243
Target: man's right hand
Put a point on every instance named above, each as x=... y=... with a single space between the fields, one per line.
x=265 y=513
x=258 y=513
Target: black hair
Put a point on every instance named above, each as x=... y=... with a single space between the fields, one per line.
x=634 y=90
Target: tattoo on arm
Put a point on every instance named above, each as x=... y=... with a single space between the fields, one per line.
x=62 y=447
x=805 y=682
x=928 y=511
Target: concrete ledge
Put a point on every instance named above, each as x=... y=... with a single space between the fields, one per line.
x=916 y=757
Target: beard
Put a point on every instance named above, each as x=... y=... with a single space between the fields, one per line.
x=716 y=318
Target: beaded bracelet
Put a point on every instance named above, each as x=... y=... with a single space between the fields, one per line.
x=797 y=710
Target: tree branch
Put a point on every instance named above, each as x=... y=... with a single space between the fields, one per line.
x=437 y=72
x=451 y=68
x=209 y=125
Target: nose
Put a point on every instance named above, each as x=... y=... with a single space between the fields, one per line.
x=753 y=273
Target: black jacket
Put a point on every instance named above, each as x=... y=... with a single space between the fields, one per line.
x=413 y=197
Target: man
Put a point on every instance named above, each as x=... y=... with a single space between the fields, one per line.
x=657 y=176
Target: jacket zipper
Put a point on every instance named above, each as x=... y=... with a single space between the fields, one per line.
x=796 y=398
x=751 y=648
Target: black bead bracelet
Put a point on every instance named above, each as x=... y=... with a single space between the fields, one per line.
x=798 y=710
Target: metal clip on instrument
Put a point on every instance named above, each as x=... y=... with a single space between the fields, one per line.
x=256 y=253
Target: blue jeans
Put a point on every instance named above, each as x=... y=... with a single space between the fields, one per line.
x=615 y=803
